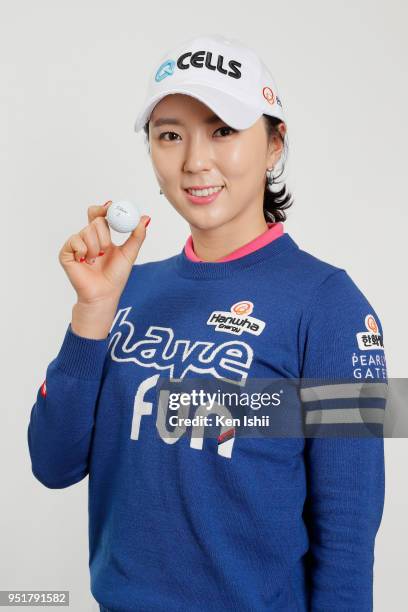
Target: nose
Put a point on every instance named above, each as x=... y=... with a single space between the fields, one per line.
x=198 y=154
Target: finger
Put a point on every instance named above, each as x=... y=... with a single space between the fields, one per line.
x=98 y=210
x=90 y=237
x=73 y=249
x=78 y=247
x=104 y=235
x=131 y=247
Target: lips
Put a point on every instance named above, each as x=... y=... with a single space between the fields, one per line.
x=203 y=199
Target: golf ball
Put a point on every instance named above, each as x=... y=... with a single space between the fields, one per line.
x=123 y=216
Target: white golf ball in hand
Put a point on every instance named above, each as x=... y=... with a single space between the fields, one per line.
x=123 y=216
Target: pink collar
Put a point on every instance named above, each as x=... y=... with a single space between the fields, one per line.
x=275 y=230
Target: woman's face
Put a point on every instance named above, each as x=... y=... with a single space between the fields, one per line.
x=197 y=148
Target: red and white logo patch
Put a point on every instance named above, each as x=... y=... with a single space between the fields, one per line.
x=268 y=95
x=44 y=389
x=237 y=320
x=370 y=339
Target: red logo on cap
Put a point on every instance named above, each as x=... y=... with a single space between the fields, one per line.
x=268 y=95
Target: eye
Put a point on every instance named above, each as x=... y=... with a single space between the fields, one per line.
x=161 y=137
x=226 y=127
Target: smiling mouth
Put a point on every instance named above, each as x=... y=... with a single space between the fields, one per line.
x=203 y=197
x=205 y=191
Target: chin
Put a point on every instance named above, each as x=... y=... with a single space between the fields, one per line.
x=209 y=221
x=204 y=216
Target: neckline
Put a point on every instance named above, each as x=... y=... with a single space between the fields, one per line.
x=216 y=270
x=274 y=231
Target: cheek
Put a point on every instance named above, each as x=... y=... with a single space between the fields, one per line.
x=246 y=163
x=241 y=162
x=164 y=166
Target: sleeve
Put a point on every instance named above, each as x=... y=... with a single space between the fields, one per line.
x=61 y=422
x=343 y=393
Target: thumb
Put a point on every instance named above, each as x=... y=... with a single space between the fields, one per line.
x=130 y=248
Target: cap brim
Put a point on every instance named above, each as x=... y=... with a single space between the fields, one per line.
x=232 y=111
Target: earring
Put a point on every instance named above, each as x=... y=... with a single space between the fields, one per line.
x=269 y=176
x=161 y=193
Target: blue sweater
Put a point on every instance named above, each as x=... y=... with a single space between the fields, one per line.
x=182 y=521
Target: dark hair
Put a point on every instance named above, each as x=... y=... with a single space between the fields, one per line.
x=275 y=202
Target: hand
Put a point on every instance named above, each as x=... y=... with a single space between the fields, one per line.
x=105 y=279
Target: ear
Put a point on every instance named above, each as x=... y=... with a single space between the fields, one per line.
x=282 y=128
x=275 y=147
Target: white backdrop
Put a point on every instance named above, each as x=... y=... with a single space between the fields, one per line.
x=73 y=76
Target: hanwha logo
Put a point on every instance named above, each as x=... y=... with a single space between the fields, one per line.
x=371 y=324
x=370 y=338
x=237 y=320
x=268 y=95
x=242 y=308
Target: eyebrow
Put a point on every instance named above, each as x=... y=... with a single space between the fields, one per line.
x=173 y=121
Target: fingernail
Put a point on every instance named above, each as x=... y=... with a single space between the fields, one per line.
x=108 y=202
x=82 y=259
x=148 y=221
x=101 y=253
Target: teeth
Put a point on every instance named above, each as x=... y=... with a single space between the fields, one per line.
x=204 y=192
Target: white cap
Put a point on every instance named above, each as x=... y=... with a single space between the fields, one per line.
x=221 y=72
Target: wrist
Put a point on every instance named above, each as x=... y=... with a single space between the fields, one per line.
x=94 y=320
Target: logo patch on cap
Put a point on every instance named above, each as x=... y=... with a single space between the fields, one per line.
x=268 y=95
x=166 y=69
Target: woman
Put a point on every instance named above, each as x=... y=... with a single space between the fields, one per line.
x=182 y=520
